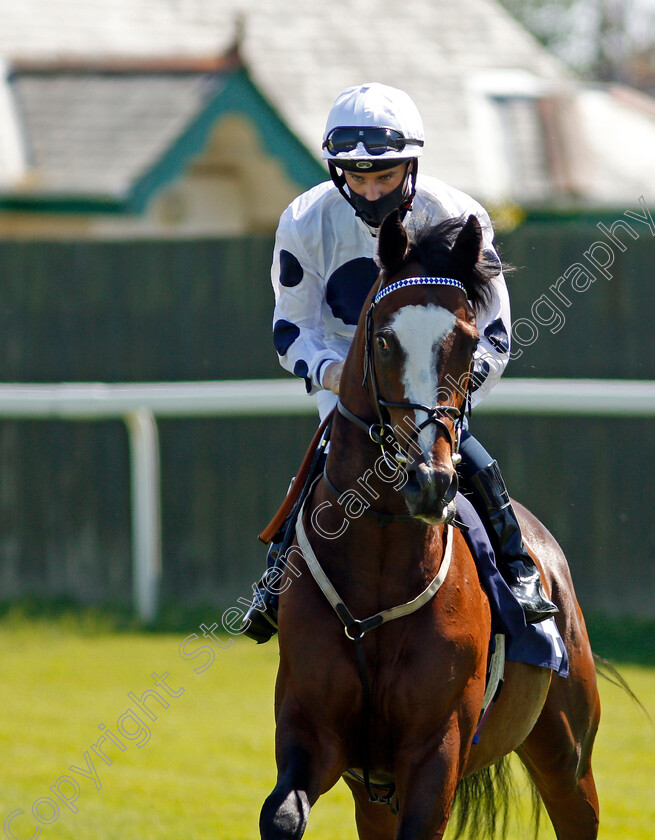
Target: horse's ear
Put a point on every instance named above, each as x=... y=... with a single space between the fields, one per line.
x=469 y=242
x=393 y=243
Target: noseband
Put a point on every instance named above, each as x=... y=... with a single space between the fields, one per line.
x=382 y=433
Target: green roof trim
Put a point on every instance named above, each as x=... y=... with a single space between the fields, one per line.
x=238 y=95
x=235 y=93
x=62 y=204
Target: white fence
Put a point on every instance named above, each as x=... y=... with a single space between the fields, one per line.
x=140 y=404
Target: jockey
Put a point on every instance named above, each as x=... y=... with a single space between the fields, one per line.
x=324 y=267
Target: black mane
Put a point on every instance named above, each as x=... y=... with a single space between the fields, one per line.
x=432 y=246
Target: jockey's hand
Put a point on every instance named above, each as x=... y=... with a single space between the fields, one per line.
x=332 y=377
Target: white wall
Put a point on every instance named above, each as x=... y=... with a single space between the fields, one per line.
x=12 y=158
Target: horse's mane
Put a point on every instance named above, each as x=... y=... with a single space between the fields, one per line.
x=432 y=246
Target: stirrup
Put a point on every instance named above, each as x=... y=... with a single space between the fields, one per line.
x=261 y=627
x=260 y=621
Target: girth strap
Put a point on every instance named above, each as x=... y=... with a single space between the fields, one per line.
x=495 y=677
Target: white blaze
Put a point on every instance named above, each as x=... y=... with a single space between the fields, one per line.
x=420 y=331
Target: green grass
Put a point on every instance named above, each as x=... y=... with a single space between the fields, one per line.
x=208 y=763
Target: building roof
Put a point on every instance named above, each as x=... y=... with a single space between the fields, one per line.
x=501 y=114
x=130 y=127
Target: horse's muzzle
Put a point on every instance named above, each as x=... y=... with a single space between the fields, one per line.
x=429 y=490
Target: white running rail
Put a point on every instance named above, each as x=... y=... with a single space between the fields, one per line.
x=140 y=404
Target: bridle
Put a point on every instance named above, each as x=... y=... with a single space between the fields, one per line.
x=382 y=433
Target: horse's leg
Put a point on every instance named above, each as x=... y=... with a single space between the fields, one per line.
x=557 y=754
x=374 y=821
x=307 y=765
x=426 y=787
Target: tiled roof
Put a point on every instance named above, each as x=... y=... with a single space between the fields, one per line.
x=116 y=123
x=105 y=135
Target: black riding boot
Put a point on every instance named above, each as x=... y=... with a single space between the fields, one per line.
x=514 y=562
x=260 y=621
x=261 y=617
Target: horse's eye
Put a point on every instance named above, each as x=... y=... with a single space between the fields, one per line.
x=383 y=344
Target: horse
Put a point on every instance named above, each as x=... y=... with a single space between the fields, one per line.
x=393 y=705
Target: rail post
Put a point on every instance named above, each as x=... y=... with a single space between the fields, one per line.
x=146 y=512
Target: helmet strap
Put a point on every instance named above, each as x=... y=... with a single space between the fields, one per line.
x=412 y=173
x=339 y=181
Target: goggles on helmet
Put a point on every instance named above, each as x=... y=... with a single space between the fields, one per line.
x=376 y=140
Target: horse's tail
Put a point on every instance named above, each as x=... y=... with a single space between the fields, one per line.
x=485 y=800
x=607 y=671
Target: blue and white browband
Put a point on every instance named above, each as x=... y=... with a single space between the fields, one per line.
x=418 y=281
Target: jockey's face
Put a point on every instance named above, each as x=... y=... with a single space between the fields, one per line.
x=373 y=185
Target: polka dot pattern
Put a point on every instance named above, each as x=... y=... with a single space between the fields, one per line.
x=284 y=334
x=291 y=272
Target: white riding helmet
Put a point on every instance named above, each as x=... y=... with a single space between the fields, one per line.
x=372 y=127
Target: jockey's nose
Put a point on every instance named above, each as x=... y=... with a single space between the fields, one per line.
x=373 y=191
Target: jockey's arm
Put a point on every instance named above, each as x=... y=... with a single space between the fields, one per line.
x=494 y=324
x=298 y=329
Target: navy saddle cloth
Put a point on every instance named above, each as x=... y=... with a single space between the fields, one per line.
x=535 y=644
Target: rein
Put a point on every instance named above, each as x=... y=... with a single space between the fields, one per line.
x=382 y=433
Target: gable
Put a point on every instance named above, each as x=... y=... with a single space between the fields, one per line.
x=108 y=139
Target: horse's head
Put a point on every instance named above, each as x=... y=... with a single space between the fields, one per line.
x=420 y=339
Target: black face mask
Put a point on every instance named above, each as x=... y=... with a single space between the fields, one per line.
x=375 y=212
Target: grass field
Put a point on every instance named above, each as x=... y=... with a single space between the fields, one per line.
x=203 y=767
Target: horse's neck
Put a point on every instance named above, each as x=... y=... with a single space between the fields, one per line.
x=379 y=562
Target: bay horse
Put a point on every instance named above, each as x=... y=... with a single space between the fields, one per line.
x=399 y=705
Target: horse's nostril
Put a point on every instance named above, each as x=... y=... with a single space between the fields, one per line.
x=413 y=483
x=442 y=482
x=436 y=486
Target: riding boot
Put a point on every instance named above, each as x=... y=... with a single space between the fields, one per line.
x=261 y=618
x=260 y=621
x=514 y=562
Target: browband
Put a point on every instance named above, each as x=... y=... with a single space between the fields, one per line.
x=418 y=281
